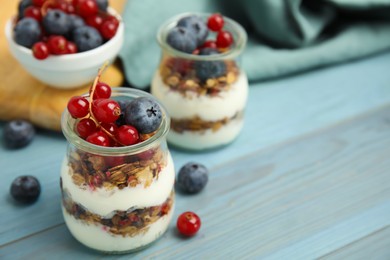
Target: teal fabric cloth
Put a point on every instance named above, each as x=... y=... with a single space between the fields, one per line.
x=285 y=36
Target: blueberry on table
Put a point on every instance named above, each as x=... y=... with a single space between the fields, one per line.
x=144 y=114
x=87 y=38
x=192 y=177
x=25 y=189
x=197 y=25
x=18 y=133
x=182 y=39
x=56 y=22
x=27 y=32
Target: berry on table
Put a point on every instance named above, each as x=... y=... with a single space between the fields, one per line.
x=56 y=22
x=192 y=177
x=25 y=189
x=33 y=12
x=40 y=50
x=99 y=138
x=127 y=135
x=18 y=134
x=196 y=25
x=144 y=114
x=27 y=32
x=182 y=39
x=215 y=22
x=57 y=45
x=78 y=107
x=87 y=38
x=224 y=39
x=188 y=223
x=106 y=110
x=108 y=29
x=85 y=127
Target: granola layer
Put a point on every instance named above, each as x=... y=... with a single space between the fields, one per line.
x=134 y=221
x=179 y=75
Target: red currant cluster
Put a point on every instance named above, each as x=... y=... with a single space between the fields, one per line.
x=86 y=10
x=98 y=117
x=224 y=39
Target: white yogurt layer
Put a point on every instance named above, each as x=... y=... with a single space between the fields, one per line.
x=103 y=202
x=96 y=237
x=207 y=139
x=226 y=104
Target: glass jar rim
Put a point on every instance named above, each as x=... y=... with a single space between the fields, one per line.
x=67 y=129
x=237 y=30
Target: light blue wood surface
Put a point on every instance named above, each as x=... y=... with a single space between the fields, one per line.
x=308 y=177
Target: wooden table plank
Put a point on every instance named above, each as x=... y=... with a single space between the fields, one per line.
x=300 y=200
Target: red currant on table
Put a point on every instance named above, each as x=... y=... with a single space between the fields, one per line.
x=57 y=45
x=99 y=138
x=94 y=21
x=86 y=127
x=40 y=50
x=87 y=7
x=33 y=12
x=106 y=110
x=102 y=90
x=78 y=107
x=209 y=44
x=108 y=29
x=71 y=48
x=215 y=22
x=188 y=223
x=127 y=135
x=224 y=39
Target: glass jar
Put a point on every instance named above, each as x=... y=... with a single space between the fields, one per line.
x=205 y=95
x=117 y=199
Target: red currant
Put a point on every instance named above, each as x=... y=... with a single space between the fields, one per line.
x=102 y=90
x=71 y=48
x=57 y=45
x=78 y=107
x=127 y=135
x=33 y=12
x=94 y=21
x=70 y=9
x=86 y=127
x=113 y=161
x=215 y=22
x=110 y=127
x=61 y=6
x=209 y=44
x=224 y=39
x=188 y=223
x=112 y=19
x=99 y=138
x=106 y=110
x=87 y=7
x=40 y=50
x=108 y=29
x=38 y=3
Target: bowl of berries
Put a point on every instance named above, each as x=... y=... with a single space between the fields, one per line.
x=64 y=42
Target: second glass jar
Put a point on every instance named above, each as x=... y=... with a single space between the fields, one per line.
x=205 y=95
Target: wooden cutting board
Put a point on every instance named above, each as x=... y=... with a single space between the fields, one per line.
x=24 y=97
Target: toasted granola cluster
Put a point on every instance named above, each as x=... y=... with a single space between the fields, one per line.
x=95 y=171
x=180 y=75
x=125 y=223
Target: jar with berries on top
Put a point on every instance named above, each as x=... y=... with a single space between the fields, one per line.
x=117 y=176
x=200 y=80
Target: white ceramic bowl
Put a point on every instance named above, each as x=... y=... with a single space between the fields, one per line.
x=67 y=71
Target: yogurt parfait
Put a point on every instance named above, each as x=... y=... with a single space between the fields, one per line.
x=117 y=176
x=200 y=81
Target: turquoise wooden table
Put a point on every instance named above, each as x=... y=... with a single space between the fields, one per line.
x=309 y=177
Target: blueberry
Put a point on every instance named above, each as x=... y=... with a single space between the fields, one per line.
x=208 y=51
x=25 y=189
x=192 y=177
x=87 y=38
x=197 y=25
x=209 y=69
x=102 y=5
x=122 y=104
x=144 y=114
x=75 y=21
x=56 y=22
x=182 y=39
x=27 y=32
x=18 y=133
x=22 y=6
